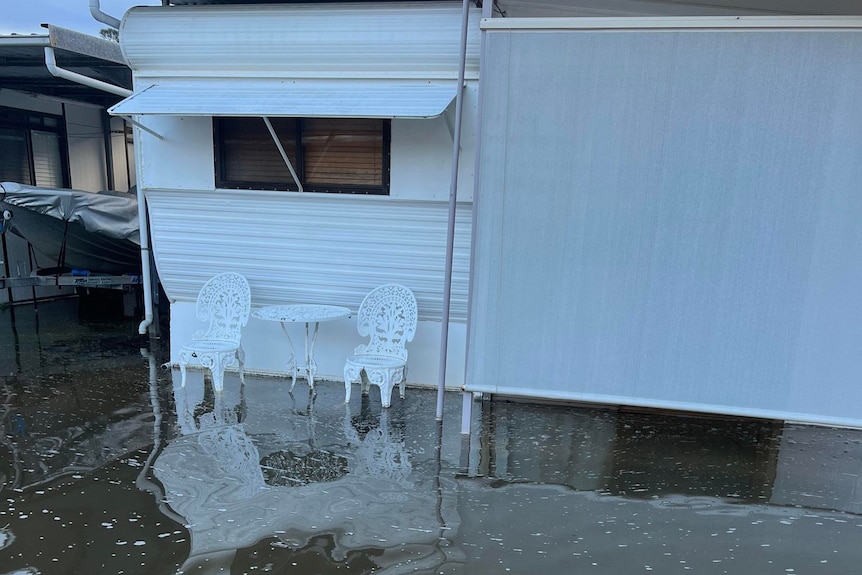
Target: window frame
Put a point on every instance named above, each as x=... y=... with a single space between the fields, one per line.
x=221 y=181
x=28 y=121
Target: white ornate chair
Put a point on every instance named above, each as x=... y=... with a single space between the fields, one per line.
x=224 y=302
x=387 y=315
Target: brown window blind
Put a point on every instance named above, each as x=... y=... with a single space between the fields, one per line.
x=343 y=152
x=250 y=156
x=329 y=154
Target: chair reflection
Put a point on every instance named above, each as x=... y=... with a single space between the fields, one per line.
x=242 y=471
x=198 y=410
x=380 y=449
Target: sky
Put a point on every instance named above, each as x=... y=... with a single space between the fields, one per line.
x=26 y=16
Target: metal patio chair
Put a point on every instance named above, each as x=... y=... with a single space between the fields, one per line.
x=387 y=315
x=225 y=303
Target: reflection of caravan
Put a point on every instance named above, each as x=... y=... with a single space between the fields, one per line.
x=292 y=481
x=747 y=463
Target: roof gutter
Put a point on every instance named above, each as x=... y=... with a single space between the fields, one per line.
x=51 y=63
x=26 y=41
x=96 y=12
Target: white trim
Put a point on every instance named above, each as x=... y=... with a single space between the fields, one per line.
x=677 y=23
x=618 y=400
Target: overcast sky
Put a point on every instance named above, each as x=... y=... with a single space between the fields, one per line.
x=25 y=16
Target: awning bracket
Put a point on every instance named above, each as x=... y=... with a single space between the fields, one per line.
x=141 y=126
x=282 y=152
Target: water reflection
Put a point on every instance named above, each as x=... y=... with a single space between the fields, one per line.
x=648 y=455
x=107 y=467
x=610 y=491
x=247 y=469
x=76 y=426
x=265 y=479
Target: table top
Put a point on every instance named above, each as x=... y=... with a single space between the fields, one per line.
x=301 y=312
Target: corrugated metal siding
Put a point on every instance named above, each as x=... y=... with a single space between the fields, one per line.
x=409 y=40
x=309 y=248
x=687 y=235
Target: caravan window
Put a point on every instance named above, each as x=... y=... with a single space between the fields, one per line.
x=328 y=154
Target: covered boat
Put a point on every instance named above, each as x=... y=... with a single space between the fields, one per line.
x=74 y=230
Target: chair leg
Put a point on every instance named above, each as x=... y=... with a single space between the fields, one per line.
x=350 y=374
x=217 y=371
x=346 y=384
x=185 y=357
x=386 y=386
x=401 y=378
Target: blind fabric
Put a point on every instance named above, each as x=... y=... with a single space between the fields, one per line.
x=329 y=154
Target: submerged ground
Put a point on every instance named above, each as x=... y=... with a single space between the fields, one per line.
x=107 y=466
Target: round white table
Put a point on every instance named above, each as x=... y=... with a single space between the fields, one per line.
x=307 y=314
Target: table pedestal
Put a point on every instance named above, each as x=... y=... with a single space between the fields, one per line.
x=307 y=314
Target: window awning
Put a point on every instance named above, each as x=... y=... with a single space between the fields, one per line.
x=306 y=98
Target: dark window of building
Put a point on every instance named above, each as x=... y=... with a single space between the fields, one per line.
x=32 y=149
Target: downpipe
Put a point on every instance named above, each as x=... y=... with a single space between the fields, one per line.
x=145 y=262
x=51 y=64
x=96 y=12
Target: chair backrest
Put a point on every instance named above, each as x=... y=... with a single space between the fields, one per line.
x=225 y=303
x=387 y=315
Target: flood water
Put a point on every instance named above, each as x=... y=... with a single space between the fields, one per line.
x=108 y=466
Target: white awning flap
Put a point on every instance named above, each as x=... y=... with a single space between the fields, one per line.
x=304 y=98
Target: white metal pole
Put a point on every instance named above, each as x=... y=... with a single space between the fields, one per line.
x=453 y=194
x=467 y=396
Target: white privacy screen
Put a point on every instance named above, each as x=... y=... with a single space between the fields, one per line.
x=672 y=218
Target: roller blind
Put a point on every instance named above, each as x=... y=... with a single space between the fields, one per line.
x=341 y=155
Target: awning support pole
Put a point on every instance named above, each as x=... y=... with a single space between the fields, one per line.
x=467 y=396
x=282 y=152
x=453 y=195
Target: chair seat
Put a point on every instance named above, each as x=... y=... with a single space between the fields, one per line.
x=376 y=361
x=210 y=346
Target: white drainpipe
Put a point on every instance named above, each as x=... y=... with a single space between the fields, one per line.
x=145 y=262
x=96 y=12
x=51 y=63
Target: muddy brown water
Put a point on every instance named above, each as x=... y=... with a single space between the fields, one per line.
x=108 y=466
